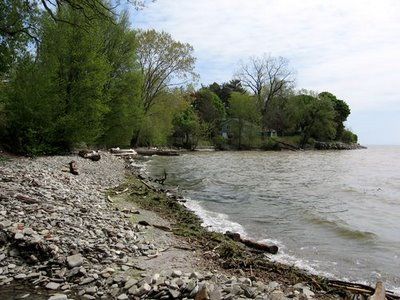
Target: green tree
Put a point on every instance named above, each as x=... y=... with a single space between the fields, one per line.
x=18 y=26
x=245 y=118
x=125 y=114
x=342 y=112
x=225 y=90
x=276 y=117
x=31 y=113
x=164 y=63
x=158 y=125
x=19 y=21
x=79 y=66
x=349 y=137
x=187 y=128
x=60 y=98
x=312 y=117
x=210 y=109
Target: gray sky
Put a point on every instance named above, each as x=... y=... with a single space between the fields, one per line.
x=349 y=48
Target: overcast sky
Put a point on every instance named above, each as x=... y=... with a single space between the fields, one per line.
x=350 y=48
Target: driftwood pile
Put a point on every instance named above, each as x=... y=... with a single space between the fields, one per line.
x=123 y=152
x=90 y=154
x=379 y=293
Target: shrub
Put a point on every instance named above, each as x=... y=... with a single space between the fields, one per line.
x=349 y=137
x=270 y=145
x=220 y=143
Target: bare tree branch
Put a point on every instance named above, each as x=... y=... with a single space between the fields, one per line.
x=265 y=76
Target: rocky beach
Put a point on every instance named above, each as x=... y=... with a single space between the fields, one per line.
x=101 y=234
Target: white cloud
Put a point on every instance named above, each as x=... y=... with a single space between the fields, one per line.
x=351 y=48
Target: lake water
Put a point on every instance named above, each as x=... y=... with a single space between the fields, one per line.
x=335 y=213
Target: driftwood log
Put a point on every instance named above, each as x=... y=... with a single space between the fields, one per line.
x=73 y=168
x=90 y=154
x=287 y=146
x=160 y=152
x=123 y=152
x=252 y=244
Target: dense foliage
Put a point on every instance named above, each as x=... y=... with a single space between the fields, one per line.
x=76 y=75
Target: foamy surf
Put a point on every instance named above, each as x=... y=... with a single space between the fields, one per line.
x=218 y=222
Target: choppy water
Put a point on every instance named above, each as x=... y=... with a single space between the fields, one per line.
x=334 y=212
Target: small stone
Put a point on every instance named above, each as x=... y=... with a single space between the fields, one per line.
x=6 y=281
x=174 y=293
x=249 y=292
x=122 y=297
x=245 y=281
x=308 y=293
x=120 y=246
x=29 y=231
x=124 y=268
x=133 y=291
x=236 y=289
x=33 y=274
x=215 y=294
x=299 y=286
x=277 y=295
x=20 y=276
x=155 y=278
x=108 y=270
x=19 y=236
x=52 y=285
x=190 y=285
x=145 y=288
x=130 y=283
x=65 y=287
x=75 y=260
x=91 y=290
x=273 y=285
x=86 y=280
x=58 y=297
x=176 y=273
x=178 y=281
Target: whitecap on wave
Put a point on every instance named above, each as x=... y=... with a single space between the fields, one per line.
x=218 y=222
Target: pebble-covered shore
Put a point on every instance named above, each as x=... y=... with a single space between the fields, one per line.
x=61 y=234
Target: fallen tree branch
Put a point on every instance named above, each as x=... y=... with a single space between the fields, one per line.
x=252 y=244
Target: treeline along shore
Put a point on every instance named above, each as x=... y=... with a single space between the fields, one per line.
x=106 y=231
x=79 y=75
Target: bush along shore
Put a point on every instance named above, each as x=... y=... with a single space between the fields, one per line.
x=111 y=233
